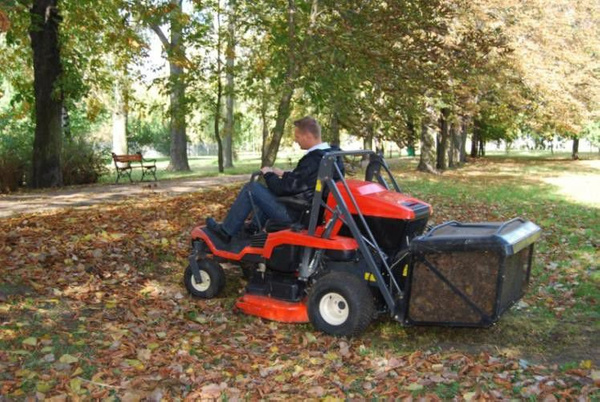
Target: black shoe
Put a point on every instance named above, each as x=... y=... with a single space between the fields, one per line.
x=217 y=229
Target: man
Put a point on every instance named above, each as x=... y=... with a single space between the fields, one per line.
x=299 y=183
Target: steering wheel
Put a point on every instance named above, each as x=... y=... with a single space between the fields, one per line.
x=255 y=175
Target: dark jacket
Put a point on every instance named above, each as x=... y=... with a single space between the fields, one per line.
x=301 y=181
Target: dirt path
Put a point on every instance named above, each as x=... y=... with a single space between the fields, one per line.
x=84 y=196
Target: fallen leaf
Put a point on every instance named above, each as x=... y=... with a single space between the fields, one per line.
x=144 y=354
x=31 y=341
x=68 y=359
x=136 y=364
x=211 y=391
x=75 y=385
x=132 y=396
x=316 y=392
x=57 y=398
x=44 y=386
x=310 y=337
x=414 y=387
x=344 y=349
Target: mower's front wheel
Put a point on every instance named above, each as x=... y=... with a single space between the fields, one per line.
x=340 y=304
x=213 y=280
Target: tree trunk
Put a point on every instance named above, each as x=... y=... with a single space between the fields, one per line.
x=66 y=124
x=265 y=124
x=427 y=156
x=229 y=90
x=47 y=144
x=463 y=139
x=412 y=133
x=442 y=143
x=217 y=120
x=219 y=96
x=119 y=118
x=474 y=141
x=575 y=149
x=454 y=149
x=177 y=108
x=179 y=159
x=368 y=139
x=283 y=108
x=450 y=151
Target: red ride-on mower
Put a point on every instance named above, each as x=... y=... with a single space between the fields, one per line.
x=359 y=251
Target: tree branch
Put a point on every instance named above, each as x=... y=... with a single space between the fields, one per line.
x=161 y=36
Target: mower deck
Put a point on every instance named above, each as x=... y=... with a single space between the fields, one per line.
x=273 y=309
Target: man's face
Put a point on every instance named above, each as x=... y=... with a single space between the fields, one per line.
x=301 y=138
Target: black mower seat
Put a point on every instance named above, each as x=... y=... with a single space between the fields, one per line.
x=275 y=226
x=295 y=204
x=298 y=207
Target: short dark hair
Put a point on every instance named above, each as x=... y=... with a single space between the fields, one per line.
x=309 y=124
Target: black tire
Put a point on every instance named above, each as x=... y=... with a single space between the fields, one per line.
x=341 y=304
x=212 y=272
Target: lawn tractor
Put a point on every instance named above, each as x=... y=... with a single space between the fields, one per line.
x=362 y=249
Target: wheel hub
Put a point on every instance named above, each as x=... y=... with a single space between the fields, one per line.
x=201 y=287
x=334 y=308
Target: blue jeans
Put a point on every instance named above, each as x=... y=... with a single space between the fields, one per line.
x=266 y=205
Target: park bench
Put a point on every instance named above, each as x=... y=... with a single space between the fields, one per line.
x=124 y=166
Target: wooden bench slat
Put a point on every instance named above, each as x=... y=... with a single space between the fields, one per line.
x=127 y=158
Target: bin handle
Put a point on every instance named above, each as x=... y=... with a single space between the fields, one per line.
x=505 y=224
x=428 y=234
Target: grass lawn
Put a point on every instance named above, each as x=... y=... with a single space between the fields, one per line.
x=92 y=304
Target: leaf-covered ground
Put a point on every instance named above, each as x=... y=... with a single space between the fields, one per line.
x=92 y=306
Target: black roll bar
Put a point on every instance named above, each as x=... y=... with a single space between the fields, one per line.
x=325 y=180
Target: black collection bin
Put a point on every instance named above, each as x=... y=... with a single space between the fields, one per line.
x=468 y=274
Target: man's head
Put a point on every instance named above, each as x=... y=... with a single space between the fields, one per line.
x=307 y=132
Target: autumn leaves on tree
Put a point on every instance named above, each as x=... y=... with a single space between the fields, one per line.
x=396 y=71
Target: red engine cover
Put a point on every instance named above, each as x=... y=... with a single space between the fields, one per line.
x=374 y=200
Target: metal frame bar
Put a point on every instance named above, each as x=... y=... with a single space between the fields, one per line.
x=325 y=180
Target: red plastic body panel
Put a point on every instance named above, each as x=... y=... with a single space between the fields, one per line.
x=302 y=238
x=283 y=237
x=273 y=309
x=374 y=200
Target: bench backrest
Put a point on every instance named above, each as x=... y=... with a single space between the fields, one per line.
x=127 y=158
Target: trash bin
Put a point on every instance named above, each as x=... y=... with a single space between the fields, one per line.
x=468 y=274
x=410 y=151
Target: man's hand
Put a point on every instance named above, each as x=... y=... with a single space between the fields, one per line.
x=266 y=169
x=275 y=170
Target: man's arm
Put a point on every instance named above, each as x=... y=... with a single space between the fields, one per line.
x=301 y=179
x=277 y=171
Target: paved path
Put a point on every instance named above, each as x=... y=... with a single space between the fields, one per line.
x=83 y=196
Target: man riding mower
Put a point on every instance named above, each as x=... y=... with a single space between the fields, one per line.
x=356 y=250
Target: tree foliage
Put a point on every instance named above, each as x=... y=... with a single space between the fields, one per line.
x=377 y=70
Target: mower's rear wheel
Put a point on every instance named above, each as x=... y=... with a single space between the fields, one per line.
x=213 y=280
x=341 y=304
